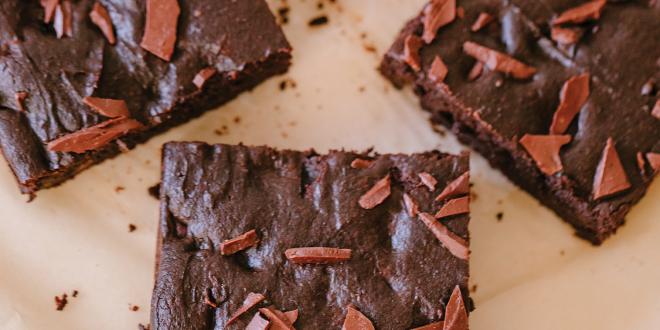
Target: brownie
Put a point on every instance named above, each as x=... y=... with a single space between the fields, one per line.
x=81 y=81
x=251 y=236
x=561 y=96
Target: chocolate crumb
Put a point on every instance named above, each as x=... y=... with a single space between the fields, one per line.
x=359 y=163
x=499 y=216
x=481 y=22
x=355 y=320
x=119 y=189
x=582 y=13
x=498 y=61
x=436 y=15
x=154 y=191
x=239 y=243
x=317 y=255
x=60 y=302
x=377 y=194
x=656 y=109
x=320 y=20
x=411 y=47
x=131 y=227
x=134 y=308
x=251 y=300
x=74 y=293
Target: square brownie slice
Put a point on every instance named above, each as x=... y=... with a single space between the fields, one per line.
x=81 y=81
x=343 y=239
x=538 y=88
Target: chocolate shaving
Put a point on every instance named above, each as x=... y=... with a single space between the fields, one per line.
x=49 y=9
x=437 y=14
x=250 y=301
x=107 y=107
x=654 y=161
x=361 y=163
x=656 y=110
x=20 y=100
x=566 y=36
x=277 y=321
x=290 y=316
x=100 y=17
x=411 y=46
x=610 y=176
x=580 y=14
x=376 y=195
x=428 y=180
x=258 y=323
x=572 y=97
x=483 y=20
x=411 y=207
x=160 y=29
x=460 y=186
x=452 y=242
x=454 y=207
x=497 y=61
x=432 y=326
x=355 y=320
x=93 y=137
x=63 y=20
x=317 y=255
x=455 y=314
x=476 y=71
x=438 y=71
x=204 y=75
x=239 y=243
x=544 y=149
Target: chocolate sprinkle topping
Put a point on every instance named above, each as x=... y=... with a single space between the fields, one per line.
x=452 y=242
x=160 y=29
x=49 y=9
x=60 y=302
x=107 y=107
x=250 y=301
x=258 y=323
x=376 y=195
x=460 y=186
x=437 y=14
x=356 y=321
x=455 y=314
x=239 y=243
x=438 y=71
x=454 y=207
x=483 y=20
x=93 y=137
x=317 y=255
x=544 y=149
x=412 y=44
x=572 y=97
x=497 y=61
x=99 y=16
x=361 y=163
x=203 y=76
x=580 y=14
x=610 y=176
x=411 y=206
x=428 y=180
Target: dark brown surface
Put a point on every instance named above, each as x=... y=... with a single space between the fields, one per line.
x=240 y=39
x=492 y=111
x=399 y=275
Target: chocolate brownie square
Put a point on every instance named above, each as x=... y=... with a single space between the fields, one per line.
x=81 y=81
x=252 y=236
x=559 y=95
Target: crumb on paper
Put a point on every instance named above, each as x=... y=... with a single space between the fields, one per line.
x=60 y=302
x=119 y=189
x=319 y=20
x=499 y=216
x=131 y=227
x=74 y=293
x=134 y=308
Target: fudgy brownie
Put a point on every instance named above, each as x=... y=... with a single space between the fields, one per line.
x=560 y=95
x=251 y=236
x=81 y=81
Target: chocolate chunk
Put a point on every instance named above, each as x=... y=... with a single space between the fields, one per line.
x=580 y=14
x=377 y=194
x=654 y=161
x=239 y=243
x=432 y=326
x=361 y=163
x=572 y=97
x=258 y=323
x=411 y=48
x=544 y=149
x=20 y=100
x=460 y=186
x=355 y=320
x=107 y=107
x=566 y=36
x=455 y=314
x=276 y=321
x=93 y=137
x=656 y=109
x=497 y=61
x=476 y=71
x=610 y=176
x=160 y=29
x=317 y=255
x=63 y=20
x=250 y=301
x=452 y=242
x=454 y=207
x=438 y=71
x=411 y=206
x=203 y=75
x=437 y=14
x=101 y=18
x=483 y=20
x=49 y=9
x=428 y=180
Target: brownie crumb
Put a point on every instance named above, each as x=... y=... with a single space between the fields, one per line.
x=499 y=216
x=237 y=120
x=74 y=293
x=119 y=189
x=131 y=228
x=60 y=302
x=361 y=89
x=283 y=14
x=320 y=20
x=473 y=288
x=154 y=191
x=286 y=83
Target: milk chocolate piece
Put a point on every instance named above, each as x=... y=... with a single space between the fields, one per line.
x=460 y=186
x=582 y=13
x=160 y=28
x=258 y=323
x=574 y=94
x=356 y=320
x=94 y=137
x=203 y=75
x=437 y=14
x=361 y=163
x=544 y=149
x=497 y=61
x=454 y=207
x=239 y=243
x=377 y=194
x=428 y=180
x=252 y=299
x=107 y=107
x=317 y=255
x=411 y=52
x=101 y=18
x=610 y=177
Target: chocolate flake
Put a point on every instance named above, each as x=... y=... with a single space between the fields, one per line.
x=160 y=29
x=544 y=149
x=656 y=109
x=317 y=255
x=483 y=20
x=107 y=107
x=355 y=320
x=20 y=100
x=361 y=163
x=93 y=137
x=203 y=76
x=438 y=71
x=289 y=317
x=610 y=176
x=60 y=302
x=258 y=323
x=452 y=242
x=63 y=20
x=239 y=243
x=428 y=180
x=100 y=17
x=411 y=47
x=437 y=14
x=277 y=321
x=476 y=71
x=572 y=97
x=250 y=301
x=455 y=314
x=580 y=14
x=376 y=195
x=460 y=186
x=497 y=61
x=411 y=206
x=566 y=36
x=454 y=207
x=654 y=161
x=432 y=326
x=49 y=9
